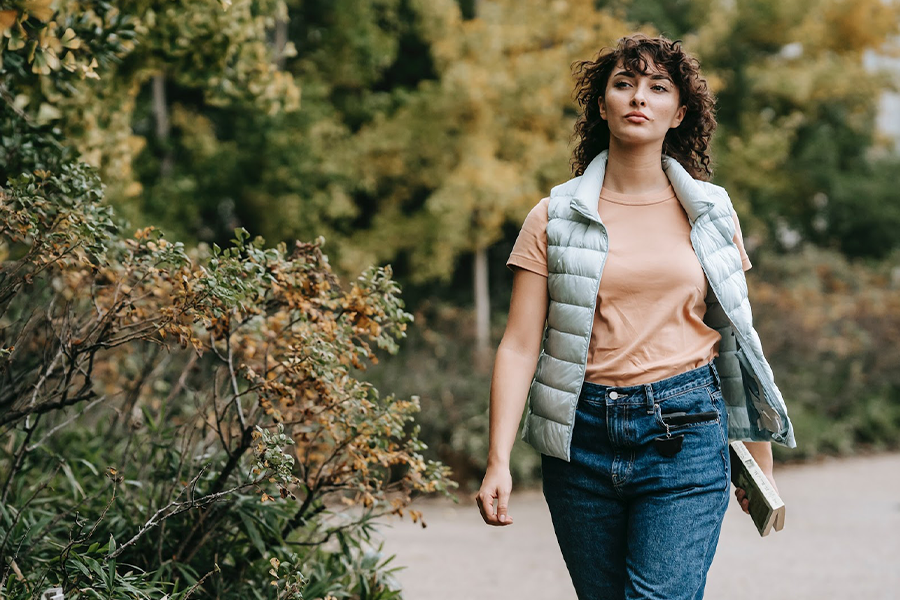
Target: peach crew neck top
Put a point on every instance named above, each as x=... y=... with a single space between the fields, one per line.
x=648 y=324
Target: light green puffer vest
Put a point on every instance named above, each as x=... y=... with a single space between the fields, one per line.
x=577 y=249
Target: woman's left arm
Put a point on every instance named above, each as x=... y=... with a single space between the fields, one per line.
x=762 y=454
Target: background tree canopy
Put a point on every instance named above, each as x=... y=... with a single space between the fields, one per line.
x=427 y=126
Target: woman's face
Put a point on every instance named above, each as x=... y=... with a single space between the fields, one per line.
x=654 y=95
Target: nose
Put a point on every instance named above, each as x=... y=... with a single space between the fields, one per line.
x=638 y=98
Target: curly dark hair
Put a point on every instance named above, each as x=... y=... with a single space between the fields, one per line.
x=688 y=143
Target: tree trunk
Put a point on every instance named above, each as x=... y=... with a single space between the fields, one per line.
x=281 y=39
x=161 y=113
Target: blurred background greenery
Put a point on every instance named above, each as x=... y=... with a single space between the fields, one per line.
x=419 y=133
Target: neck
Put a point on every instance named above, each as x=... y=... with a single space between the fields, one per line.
x=634 y=169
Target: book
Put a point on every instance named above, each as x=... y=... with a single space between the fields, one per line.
x=766 y=507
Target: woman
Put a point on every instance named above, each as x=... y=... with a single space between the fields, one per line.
x=636 y=264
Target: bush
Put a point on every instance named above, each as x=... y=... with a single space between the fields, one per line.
x=830 y=327
x=187 y=422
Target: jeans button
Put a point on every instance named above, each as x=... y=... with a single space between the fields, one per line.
x=613 y=395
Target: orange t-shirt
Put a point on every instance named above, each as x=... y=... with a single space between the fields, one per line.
x=648 y=324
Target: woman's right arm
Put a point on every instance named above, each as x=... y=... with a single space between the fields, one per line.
x=514 y=367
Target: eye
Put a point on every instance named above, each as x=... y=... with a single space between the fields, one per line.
x=661 y=87
x=620 y=83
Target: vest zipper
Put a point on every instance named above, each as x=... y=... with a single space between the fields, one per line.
x=571 y=428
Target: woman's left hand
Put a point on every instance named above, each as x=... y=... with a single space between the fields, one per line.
x=741 y=495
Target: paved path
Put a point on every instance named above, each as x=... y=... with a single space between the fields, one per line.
x=841 y=540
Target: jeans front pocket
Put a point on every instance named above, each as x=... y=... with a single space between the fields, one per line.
x=690 y=408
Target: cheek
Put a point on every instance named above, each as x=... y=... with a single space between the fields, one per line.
x=667 y=111
x=616 y=103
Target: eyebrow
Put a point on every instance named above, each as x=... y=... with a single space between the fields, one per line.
x=655 y=76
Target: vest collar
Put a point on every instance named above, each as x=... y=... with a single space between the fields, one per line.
x=688 y=190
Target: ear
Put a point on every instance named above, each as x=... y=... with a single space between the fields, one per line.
x=602 y=106
x=679 y=116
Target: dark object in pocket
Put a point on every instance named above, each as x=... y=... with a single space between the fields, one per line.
x=668 y=446
x=682 y=418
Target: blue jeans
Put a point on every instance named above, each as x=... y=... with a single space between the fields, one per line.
x=633 y=517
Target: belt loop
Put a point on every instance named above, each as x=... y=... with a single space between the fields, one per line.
x=715 y=373
x=650 y=400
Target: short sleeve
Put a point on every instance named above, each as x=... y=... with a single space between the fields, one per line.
x=530 y=250
x=739 y=240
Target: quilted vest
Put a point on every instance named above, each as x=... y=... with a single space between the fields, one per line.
x=577 y=247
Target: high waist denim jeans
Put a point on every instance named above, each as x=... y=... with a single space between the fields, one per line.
x=631 y=522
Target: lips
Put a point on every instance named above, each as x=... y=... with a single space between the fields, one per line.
x=635 y=117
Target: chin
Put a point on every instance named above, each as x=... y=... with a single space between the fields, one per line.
x=637 y=140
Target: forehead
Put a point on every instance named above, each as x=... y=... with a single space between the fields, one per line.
x=651 y=70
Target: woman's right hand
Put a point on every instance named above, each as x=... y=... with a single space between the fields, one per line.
x=497 y=484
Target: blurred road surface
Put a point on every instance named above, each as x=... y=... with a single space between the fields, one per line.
x=841 y=540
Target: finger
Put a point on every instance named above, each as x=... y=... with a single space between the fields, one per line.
x=502 y=507
x=485 y=508
x=487 y=501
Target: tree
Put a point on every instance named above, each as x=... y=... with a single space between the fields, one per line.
x=479 y=147
x=797 y=114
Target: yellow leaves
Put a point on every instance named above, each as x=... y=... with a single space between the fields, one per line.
x=17 y=37
x=89 y=70
x=42 y=9
x=857 y=24
x=144 y=232
x=113 y=474
x=46 y=112
x=68 y=40
x=7 y=19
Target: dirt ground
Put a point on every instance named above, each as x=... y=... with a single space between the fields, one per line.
x=841 y=540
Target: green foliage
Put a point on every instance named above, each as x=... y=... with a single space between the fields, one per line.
x=259 y=394
x=424 y=131
x=830 y=328
x=216 y=52
x=797 y=112
x=176 y=420
x=435 y=362
x=480 y=146
x=861 y=216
